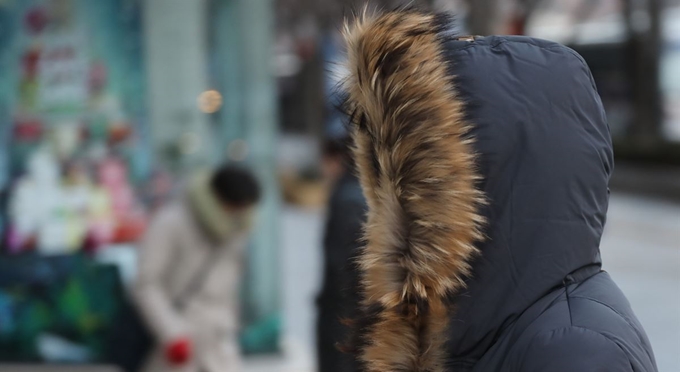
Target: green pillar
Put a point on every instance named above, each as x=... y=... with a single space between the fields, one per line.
x=249 y=113
x=227 y=29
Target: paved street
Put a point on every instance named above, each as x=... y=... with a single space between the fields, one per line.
x=641 y=250
x=301 y=256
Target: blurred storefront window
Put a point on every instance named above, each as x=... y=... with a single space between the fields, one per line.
x=599 y=30
x=98 y=124
x=72 y=111
x=74 y=85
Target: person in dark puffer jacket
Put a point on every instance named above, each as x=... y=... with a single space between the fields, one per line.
x=485 y=162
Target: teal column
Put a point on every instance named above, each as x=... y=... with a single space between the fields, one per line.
x=260 y=124
x=249 y=113
x=228 y=48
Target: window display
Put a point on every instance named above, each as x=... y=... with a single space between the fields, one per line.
x=72 y=185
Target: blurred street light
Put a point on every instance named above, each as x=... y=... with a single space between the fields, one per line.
x=210 y=101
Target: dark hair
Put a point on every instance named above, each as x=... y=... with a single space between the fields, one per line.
x=341 y=148
x=235 y=186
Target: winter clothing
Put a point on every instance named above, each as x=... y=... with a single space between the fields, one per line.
x=188 y=284
x=485 y=163
x=215 y=221
x=338 y=299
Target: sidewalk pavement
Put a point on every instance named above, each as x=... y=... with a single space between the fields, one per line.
x=640 y=249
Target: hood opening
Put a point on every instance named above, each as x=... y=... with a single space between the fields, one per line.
x=417 y=168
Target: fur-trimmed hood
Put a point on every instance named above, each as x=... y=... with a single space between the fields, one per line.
x=416 y=166
x=453 y=138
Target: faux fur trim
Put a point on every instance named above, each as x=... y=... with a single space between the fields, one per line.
x=416 y=166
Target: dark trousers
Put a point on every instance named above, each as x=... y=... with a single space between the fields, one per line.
x=330 y=333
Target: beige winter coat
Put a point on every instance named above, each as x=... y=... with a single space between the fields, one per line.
x=176 y=248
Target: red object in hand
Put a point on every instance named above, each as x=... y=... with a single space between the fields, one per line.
x=178 y=352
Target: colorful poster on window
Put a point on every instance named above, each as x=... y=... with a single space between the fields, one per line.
x=76 y=124
x=63 y=70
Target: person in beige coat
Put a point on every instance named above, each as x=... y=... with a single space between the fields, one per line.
x=189 y=271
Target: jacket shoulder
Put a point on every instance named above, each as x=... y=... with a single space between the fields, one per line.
x=574 y=348
x=592 y=323
x=173 y=214
x=600 y=305
x=169 y=221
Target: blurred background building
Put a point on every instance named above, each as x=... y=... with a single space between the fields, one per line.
x=106 y=105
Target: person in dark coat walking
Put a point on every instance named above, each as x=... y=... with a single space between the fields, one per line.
x=338 y=299
x=485 y=162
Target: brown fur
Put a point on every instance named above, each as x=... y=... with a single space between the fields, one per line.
x=416 y=167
